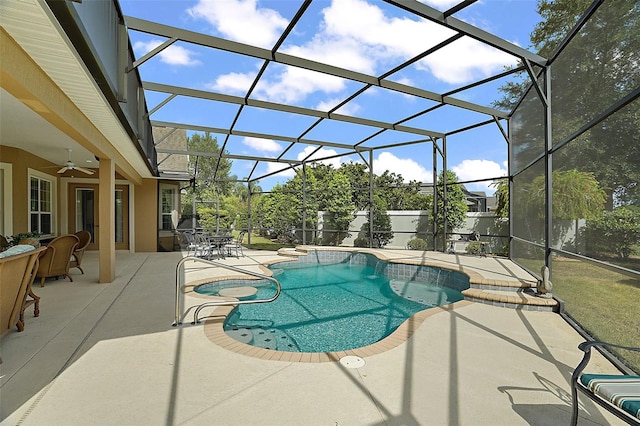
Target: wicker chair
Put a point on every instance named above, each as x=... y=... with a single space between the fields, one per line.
x=16 y=277
x=84 y=238
x=56 y=259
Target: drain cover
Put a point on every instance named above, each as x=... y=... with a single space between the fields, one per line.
x=352 y=361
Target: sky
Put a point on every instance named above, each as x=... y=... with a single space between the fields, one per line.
x=366 y=36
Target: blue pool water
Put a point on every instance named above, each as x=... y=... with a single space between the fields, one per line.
x=328 y=308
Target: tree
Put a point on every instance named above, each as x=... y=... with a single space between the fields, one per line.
x=341 y=193
x=502 y=195
x=382 y=230
x=597 y=68
x=418 y=201
x=358 y=176
x=277 y=213
x=340 y=206
x=295 y=187
x=391 y=188
x=211 y=180
x=210 y=172
x=456 y=210
x=575 y=195
x=615 y=232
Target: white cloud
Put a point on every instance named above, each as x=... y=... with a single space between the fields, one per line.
x=233 y=83
x=479 y=169
x=262 y=145
x=294 y=84
x=465 y=60
x=273 y=167
x=406 y=167
x=440 y=4
x=349 y=109
x=342 y=52
x=369 y=44
x=351 y=43
x=241 y=20
x=322 y=152
x=290 y=85
x=172 y=55
x=406 y=81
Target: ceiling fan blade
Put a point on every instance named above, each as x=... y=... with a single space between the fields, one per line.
x=63 y=169
x=83 y=170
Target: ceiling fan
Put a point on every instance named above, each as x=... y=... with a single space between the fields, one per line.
x=70 y=165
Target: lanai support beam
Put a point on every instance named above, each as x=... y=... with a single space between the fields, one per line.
x=107 y=219
x=445 y=205
x=548 y=163
x=304 y=202
x=435 y=193
x=370 y=198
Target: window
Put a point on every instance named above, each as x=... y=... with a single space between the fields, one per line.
x=41 y=203
x=168 y=208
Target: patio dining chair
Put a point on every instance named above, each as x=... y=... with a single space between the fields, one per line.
x=204 y=247
x=236 y=245
x=188 y=241
x=84 y=238
x=55 y=261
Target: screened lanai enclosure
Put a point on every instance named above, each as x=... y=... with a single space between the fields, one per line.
x=564 y=115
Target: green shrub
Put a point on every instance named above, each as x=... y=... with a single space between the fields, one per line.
x=15 y=239
x=474 y=247
x=361 y=242
x=417 y=244
x=614 y=232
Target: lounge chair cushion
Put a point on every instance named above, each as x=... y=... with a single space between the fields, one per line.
x=622 y=391
x=20 y=248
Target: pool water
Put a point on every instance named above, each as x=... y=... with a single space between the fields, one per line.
x=328 y=308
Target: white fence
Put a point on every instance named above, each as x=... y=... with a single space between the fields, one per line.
x=409 y=224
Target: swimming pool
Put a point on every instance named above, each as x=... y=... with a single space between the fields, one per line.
x=329 y=306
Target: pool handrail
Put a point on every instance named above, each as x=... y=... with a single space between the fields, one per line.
x=180 y=284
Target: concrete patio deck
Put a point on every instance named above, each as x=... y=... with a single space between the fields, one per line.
x=106 y=354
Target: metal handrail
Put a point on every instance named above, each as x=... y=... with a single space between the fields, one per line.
x=180 y=284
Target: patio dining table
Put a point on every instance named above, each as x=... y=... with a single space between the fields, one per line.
x=219 y=241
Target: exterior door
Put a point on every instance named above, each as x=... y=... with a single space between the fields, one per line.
x=83 y=213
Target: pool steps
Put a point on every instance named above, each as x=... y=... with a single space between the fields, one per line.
x=516 y=297
x=513 y=294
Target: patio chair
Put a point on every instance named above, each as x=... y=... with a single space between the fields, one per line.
x=188 y=241
x=617 y=393
x=84 y=238
x=204 y=246
x=236 y=245
x=55 y=261
x=17 y=267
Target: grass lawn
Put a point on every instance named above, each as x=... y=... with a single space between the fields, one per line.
x=261 y=243
x=604 y=302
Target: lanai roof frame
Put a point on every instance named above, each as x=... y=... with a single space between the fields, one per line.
x=528 y=60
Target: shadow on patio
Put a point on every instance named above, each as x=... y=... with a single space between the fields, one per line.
x=107 y=354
